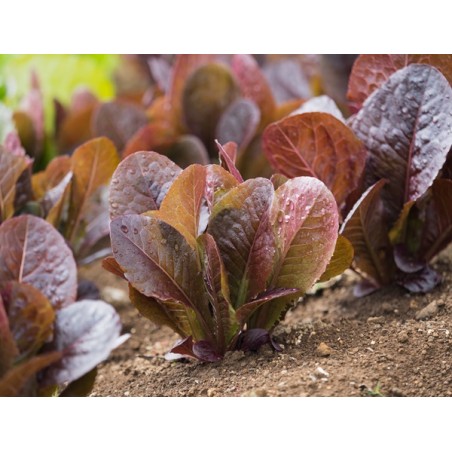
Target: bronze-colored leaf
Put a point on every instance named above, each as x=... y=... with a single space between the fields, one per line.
x=372 y=71
x=317 y=145
x=31 y=316
x=92 y=166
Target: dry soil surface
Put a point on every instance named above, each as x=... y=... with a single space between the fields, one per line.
x=389 y=343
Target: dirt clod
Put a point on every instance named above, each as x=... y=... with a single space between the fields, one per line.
x=324 y=350
x=429 y=311
x=402 y=337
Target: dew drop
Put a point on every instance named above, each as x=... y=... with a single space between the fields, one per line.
x=176 y=247
x=280 y=216
x=135 y=230
x=124 y=229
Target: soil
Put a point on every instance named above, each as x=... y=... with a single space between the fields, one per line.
x=389 y=343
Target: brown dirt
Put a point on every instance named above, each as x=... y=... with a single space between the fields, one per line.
x=375 y=345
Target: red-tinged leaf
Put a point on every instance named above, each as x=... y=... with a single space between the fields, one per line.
x=158 y=261
x=14 y=381
x=202 y=350
x=254 y=86
x=245 y=311
x=151 y=252
x=218 y=183
x=366 y=228
x=341 y=260
x=26 y=131
x=12 y=166
x=184 y=67
x=33 y=252
x=205 y=351
x=287 y=80
x=110 y=264
x=186 y=151
x=318 y=145
x=24 y=191
x=253 y=339
x=30 y=314
x=92 y=166
x=423 y=281
x=216 y=280
x=85 y=334
x=437 y=227
x=184 y=206
x=405 y=126
x=161 y=72
x=239 y=123
x=140 y=183
x=33 y=106
x=207 y=94
x=304 y=220
x=75 y=128
x=8 y=348
x=239 y=225
x=119 y=122
x=55 y=172
x=320 y=104
x=170 y=313
x=183 y=347
x=151 y=137
x=227 y=161
x=372 y=71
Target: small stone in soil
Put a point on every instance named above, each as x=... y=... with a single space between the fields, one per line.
x=429 y=311
x=321 y=373
x=324 y=350
x=402 y=337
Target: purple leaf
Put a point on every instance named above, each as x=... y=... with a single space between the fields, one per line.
x=33 y=252
x=239 y=123
x=85 y=333
x=252 y=340
x=422 y=281
x=140 y=183
x=405 y=126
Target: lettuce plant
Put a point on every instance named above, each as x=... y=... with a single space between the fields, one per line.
x=50 y=344
x=70 y=193
x=216 y=259
x=388 y=166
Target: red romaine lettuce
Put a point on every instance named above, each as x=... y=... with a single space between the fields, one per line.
x=216 y=260
x=48 y=340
